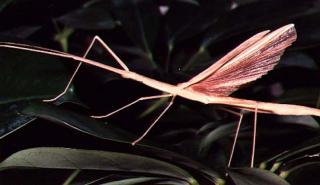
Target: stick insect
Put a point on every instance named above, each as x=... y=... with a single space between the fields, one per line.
x=247 y=62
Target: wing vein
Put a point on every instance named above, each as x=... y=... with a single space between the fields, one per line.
x=258 y=57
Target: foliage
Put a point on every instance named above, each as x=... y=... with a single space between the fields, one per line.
x=170 y=41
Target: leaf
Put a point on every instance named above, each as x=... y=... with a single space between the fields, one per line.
x=299 y=163
x=109 y=132
x=308 y=121
x=21 y=31
x=194 y=19
x=214 y=135
x=10 y=118
x=76 y=121
x=206 y=173
x=254 y=16
x=5 y=3
x=29 y=76
x=140 y=28
x=71 y=177
x=154 y=106
x=306 y=173
x=199 y=60
x=194 y=2
x=93 y=17
x=132 y=181
x=254 y=176
x=25 y=76
x=66 y=158
x=299 y=150
x=63 y=38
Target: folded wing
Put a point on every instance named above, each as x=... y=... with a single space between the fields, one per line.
x=248 y=62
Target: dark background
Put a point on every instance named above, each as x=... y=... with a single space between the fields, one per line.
x=168 y=46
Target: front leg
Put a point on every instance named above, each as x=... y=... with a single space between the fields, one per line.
x=93 y=41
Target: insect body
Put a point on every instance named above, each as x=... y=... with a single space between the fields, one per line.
x=247 y=62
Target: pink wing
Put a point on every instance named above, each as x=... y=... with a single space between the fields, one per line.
x=248 y=62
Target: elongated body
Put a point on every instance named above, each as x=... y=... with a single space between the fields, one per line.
x=253 y=47
x=263 y=107
x=247 y=62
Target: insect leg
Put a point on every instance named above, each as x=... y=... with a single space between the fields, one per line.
x=67 y=86
x=154 y=122
x=105 y=46
x=132 y=103
x=254 y=135
x=94 y=40
x=236 y=134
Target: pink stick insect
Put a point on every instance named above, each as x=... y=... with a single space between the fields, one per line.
x=247 y=62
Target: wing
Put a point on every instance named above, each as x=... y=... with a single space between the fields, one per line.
x=246 y=63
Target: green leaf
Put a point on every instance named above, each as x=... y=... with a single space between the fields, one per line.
x=94 y=17
x=308 y=121
x=306 y=173
x=110 y=132
x=11 y=119
x=76 y=121
x=20 y=31
x=199 y=60
x=5 y=3
x=194 y=2
x=63 y=38
x=299 y=150
x=154 y=106
x=214 y=135
x=140 y=28
x=254 y=16
x=254 y=176
x=72 y=176
x=181 y=160
x=29 y=76
x=194 y=19
x=132 y=181
x=66 y=158
x=26 y=76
